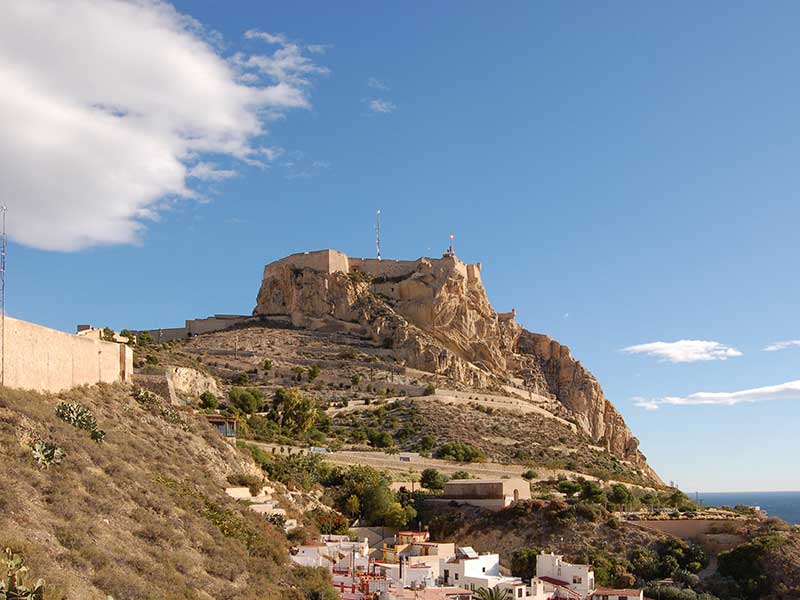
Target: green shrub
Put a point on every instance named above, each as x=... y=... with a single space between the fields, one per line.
x=154 y=403
x=247 y=400
x=433 y=479
x=79 y=416
x=253 y=483
x=314 y=372
x=47 y=454
x=241 y=378
x=12 y=583
x=267 y=364
x=429 y=390
x=461 y=475
x=208 y=401
x=355 y=380
x=460 y=452
x=530 y=474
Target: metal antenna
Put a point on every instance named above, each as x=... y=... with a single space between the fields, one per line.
x=378 y=233
x=3 y=209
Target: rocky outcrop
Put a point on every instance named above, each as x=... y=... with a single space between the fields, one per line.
x=436 y=316
x=557 y=372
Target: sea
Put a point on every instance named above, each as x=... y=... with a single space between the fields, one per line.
x=785 y=505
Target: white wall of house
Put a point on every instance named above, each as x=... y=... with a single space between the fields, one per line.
x=578 y=577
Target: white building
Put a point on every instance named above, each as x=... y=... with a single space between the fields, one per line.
x=334 y=552
x=560 y=577
x=474 y=571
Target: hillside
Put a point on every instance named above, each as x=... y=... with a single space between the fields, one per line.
x=434 y=316
x=361 y=385
x=141 y=514
x=765 y=567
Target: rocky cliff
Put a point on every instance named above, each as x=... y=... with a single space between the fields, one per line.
x=436 y=316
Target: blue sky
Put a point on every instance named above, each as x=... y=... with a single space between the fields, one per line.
x=626 y=173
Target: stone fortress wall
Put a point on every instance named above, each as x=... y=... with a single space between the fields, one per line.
x=332 y=261
x=47 y=360
x=194 y=327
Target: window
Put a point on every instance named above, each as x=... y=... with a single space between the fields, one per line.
x=576 y=579
x=446 y=575
x=483 y=569
x=519 y=592
x=455 y=576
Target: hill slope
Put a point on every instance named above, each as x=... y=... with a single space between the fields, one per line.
x=141 y=514
x=434 y=315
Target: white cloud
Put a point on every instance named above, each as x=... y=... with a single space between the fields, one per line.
x=782 y=345
x=319 y=48
x=377 y=84
x=207 y=171
x=784 y=391
x=105 y=117
x=684 y=351
x=378 y=105
x=270 y=38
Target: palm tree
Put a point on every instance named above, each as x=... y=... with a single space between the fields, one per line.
x=490 y=594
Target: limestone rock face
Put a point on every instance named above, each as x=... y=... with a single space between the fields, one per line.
x=436 y=316
x=577 y=389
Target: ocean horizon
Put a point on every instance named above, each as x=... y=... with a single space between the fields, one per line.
x=784 y=505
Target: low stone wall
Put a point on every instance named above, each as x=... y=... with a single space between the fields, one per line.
x=48 y=360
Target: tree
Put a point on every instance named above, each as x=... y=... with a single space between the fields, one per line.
x=620 y=495
x=569 y=488
x=433 y=479
x=208 y=400
x=127 y=333
x=592 y=492
x=294 y=412
x=107 y=335
x=247 y=400
x=427 y=443
x=145 y=339
x=314 y=372
x=530 y=474
x=352 y=506
x=355 y=380
x=523 y=563
x=491 y=594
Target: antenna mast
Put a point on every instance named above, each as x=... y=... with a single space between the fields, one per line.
x=3 y=209
x=378 y=233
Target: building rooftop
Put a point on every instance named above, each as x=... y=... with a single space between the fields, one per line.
x=617 y=592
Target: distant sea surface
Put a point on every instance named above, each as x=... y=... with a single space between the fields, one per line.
x=785 y=505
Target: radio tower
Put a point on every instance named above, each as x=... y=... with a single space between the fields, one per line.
x=378 y=233
x=3 y=209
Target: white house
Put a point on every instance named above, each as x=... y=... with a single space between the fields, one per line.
x=475 y=571
x=560 y=577
x=334 y=552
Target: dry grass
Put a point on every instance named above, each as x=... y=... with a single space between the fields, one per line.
x=142 y=515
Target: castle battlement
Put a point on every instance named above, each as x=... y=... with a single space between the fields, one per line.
x=332 y=261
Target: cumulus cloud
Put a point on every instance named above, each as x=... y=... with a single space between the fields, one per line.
x=784 y=391
x=378 y=105
x=782 y=345
x=109 y=109
x=684 y=351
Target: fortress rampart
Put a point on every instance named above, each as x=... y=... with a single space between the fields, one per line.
x=332 y=261
x=47 y=360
